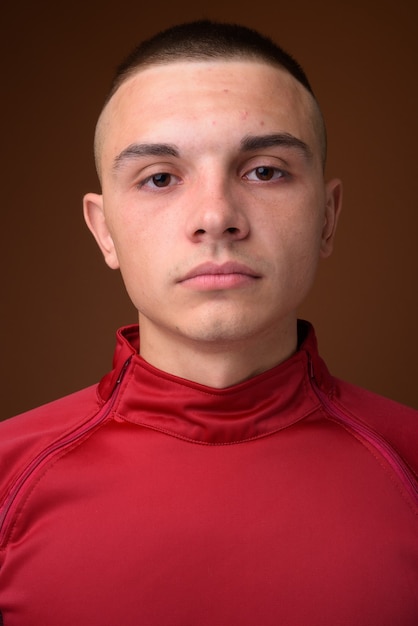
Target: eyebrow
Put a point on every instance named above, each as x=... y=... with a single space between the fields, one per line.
x=251 y=143
x=136 y=150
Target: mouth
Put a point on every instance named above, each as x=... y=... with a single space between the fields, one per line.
x=212 y=276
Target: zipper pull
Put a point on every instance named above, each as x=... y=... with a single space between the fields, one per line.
x=311 y=368
x=122 y=371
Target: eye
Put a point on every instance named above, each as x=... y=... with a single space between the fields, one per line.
x=160 y=180
x=265 y=173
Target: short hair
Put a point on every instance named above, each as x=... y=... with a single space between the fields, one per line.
x=206 y=40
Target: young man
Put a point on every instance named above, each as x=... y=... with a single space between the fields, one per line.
x=218 y=474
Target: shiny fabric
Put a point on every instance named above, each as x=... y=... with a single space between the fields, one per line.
x=290 y=498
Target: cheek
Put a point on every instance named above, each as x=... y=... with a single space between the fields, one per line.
x=294 y=246
x=143 y=261
x=296 y=234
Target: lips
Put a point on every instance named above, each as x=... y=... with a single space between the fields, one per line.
x=219 y=276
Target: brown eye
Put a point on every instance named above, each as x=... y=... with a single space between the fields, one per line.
x=161 y=180
x=264 y=173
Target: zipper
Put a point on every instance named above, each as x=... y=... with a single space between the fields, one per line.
x=6 y=512
x=395 y=461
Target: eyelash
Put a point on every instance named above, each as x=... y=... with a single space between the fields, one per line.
x=144 y=183
x=276 y=174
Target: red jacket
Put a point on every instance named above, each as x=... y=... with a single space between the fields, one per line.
x=150 y=500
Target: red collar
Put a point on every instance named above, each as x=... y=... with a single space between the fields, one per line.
x=254 y=408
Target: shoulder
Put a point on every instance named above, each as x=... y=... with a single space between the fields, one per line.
x=50 y=417
x=395 y=422
x=24 y=436
x=375 y=408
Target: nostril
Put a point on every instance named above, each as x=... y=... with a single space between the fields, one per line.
x=232 y=230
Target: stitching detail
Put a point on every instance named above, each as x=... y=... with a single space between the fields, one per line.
x=171 y=433
x=40 y=474
x=368 y=445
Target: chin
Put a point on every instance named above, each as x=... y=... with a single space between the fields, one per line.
x=220 y=332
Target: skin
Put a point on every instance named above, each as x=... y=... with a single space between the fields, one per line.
x=217 y=238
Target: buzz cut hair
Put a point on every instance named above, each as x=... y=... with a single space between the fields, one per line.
x=206 y=40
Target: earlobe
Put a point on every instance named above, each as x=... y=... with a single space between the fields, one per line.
x=333 y=207
x=96 y=222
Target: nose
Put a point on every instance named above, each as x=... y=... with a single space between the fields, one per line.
x=217 y=215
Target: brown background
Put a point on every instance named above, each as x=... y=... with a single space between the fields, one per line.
x=60 y=303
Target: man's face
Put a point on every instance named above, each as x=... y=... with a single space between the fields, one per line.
x=214 y=205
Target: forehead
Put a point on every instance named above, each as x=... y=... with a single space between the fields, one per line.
x=222 y=100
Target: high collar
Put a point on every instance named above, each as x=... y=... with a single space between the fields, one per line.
x=251 y=409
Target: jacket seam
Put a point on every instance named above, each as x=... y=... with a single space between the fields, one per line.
x=27 y=492
x=371 y=449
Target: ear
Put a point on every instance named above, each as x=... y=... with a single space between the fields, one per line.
x=96 y=222
x=333 y=198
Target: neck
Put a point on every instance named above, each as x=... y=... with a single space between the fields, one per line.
x=217 y=364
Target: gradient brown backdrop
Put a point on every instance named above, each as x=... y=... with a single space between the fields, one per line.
x=60 y=303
